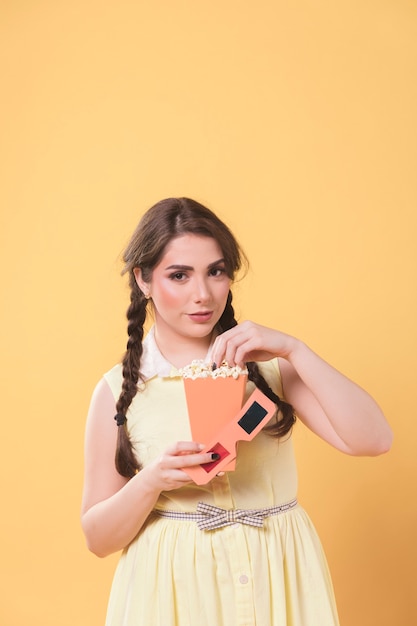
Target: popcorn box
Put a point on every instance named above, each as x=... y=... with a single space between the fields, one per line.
x=212 y=403
x=244 y=426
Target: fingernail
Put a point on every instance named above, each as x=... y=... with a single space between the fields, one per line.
x=215 y=456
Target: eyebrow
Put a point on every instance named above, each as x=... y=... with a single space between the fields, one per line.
x=189 y=267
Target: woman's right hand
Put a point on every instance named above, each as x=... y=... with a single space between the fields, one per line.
x=114 y=508
x=166 y=472
x=112 y=521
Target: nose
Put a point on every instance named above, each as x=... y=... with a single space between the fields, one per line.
x=201 y=291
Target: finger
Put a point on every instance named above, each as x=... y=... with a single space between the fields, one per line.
x=177 y=478
x=199 y=459
x=244 y=351
x=224 y=346
x=242 y=345
x=172 y=462
x=184 y=447
x=237 y=349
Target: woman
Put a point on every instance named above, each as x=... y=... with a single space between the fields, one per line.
x=137 y=497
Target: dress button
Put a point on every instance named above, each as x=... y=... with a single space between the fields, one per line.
x=243 y=579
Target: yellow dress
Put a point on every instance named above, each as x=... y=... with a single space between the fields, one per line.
x=174 y=574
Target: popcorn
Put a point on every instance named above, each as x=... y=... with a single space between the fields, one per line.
x=201 y=369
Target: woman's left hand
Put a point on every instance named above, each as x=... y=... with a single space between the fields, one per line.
x=250 y=342
x=331 y=405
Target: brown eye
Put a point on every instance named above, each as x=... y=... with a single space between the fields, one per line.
x=217 y=271
x=177 y=276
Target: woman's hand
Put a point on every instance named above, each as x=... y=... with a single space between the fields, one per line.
x=111 y=523
x=250 y=342
x=331 y=405
x=114 y=508
x=166 y=472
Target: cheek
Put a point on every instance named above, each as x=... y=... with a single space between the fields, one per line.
x=224 y=292
x=221 y=296
x=167 y=295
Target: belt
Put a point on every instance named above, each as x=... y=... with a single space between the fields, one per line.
x=210 y=517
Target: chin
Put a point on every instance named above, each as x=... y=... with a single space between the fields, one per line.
x=201 y=330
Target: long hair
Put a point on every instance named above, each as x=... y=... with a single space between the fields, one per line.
x=166 y=220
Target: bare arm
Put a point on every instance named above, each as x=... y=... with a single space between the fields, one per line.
x=113 y=507
x=331 y=405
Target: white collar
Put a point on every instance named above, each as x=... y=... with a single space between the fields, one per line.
x=153 y=363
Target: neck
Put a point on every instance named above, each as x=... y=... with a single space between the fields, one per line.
x=179 y=350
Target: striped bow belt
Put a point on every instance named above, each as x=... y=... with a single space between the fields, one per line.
x=210 y=517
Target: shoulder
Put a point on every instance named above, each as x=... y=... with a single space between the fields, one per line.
x=271 y=371
x=114 y=379
x=103 y=402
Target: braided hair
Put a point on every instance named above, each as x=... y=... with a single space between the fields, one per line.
x=287 y=416
x=166 y=220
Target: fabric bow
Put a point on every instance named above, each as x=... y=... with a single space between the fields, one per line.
x=215 y=517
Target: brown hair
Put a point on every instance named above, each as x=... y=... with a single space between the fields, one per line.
x=163 y=222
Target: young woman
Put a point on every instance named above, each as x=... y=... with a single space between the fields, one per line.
x=137 y=497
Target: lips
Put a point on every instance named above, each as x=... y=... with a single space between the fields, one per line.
x=201 y=316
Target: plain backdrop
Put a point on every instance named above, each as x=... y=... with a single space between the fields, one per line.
x=296 y=123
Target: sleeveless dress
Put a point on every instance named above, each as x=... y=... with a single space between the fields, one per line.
x=173 y=573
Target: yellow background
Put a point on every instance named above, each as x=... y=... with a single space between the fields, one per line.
x=295 y=121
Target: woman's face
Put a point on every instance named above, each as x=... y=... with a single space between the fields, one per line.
x=189 y=288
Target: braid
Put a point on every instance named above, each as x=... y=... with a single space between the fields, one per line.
x=284 y=425
x=126 y=462
x=227 y=319
x=287 y=421
x=166 y=220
